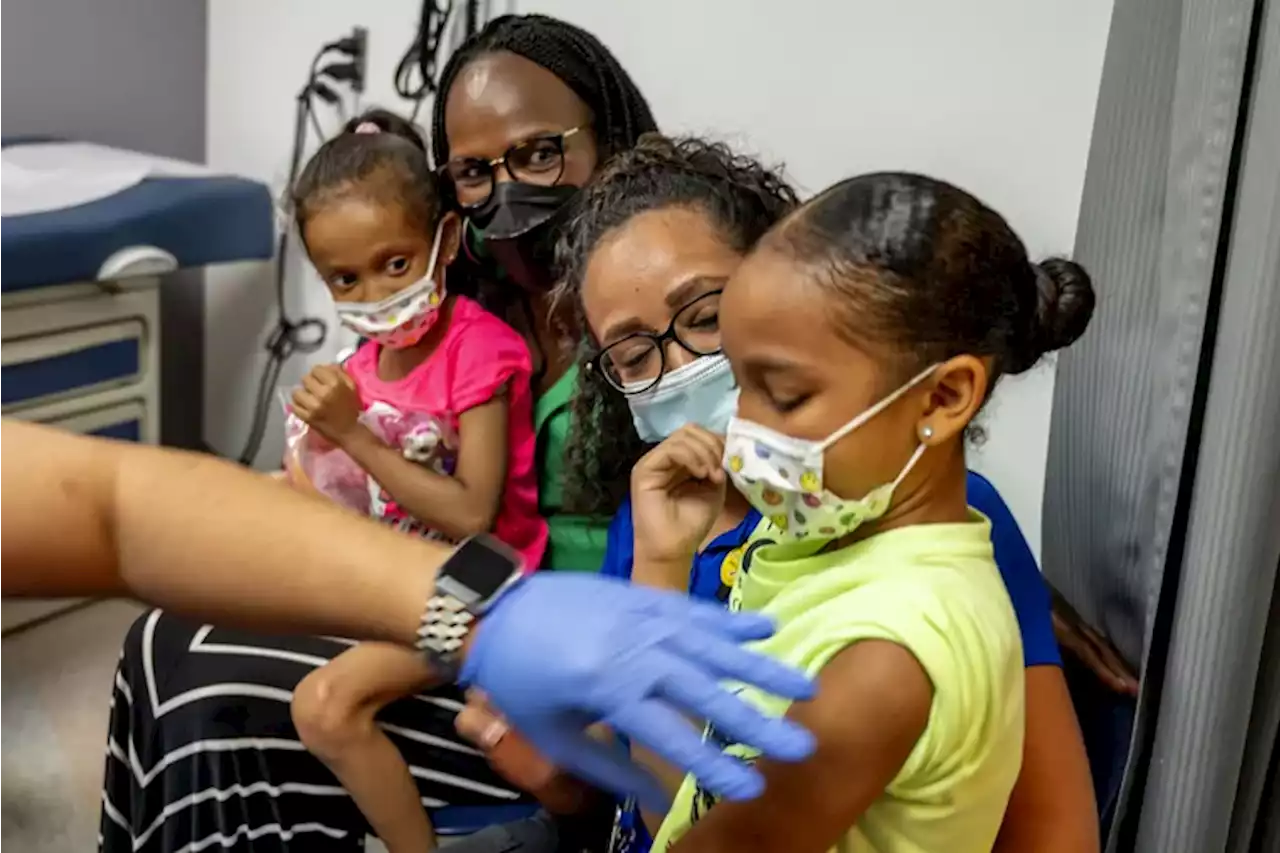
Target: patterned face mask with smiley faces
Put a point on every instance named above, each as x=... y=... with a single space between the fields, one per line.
x=781 y=476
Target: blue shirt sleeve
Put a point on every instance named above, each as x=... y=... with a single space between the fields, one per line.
x=1021 y=575
x=619 y=550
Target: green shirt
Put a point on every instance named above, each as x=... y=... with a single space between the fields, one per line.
x=933 y=589
x=575 y=542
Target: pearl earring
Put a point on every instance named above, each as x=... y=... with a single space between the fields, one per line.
x=926 y=432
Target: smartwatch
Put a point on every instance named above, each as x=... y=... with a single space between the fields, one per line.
x=472 y=579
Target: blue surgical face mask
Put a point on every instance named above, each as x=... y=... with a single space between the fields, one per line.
x=703 y=392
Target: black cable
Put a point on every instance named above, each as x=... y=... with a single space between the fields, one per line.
x=331 y=98
x=473 y=17
x=290 y=337
x=343 y=72
x=416 y=74
x=315 y=124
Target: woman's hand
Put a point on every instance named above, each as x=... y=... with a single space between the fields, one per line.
x=328 y=402
x=516 y=760
x=677 y=492
x=1091 y=648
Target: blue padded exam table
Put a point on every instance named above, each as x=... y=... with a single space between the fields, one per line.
x=80 y=296
x=80 y=286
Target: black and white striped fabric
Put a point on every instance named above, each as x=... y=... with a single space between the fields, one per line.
x=202 y=754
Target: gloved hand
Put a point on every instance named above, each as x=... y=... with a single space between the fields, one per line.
x=562 y=651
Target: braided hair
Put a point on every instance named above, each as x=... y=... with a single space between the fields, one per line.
x=739 y=195
x=586 y=66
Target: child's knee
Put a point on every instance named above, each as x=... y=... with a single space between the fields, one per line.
x=328 y=714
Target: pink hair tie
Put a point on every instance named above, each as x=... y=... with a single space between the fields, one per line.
x=367 y=127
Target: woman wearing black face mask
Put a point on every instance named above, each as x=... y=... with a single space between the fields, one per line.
x=201 y=741
x=527 y=109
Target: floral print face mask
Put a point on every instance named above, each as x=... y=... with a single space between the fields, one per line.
x=781 y=476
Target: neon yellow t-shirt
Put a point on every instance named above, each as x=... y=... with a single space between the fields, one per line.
x=935 y=590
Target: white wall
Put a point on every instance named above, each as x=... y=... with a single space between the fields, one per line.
x=997 y=96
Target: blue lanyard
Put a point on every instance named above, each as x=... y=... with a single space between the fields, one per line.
x=629 y=834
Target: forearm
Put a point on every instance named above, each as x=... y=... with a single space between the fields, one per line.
x=670 y=573
x=659 y=574
x=1052 y=835
x=198 y=535
x=1036 y=821
x=669 y=777
x=443 y=503
x=566 y=794
x=1052 y=808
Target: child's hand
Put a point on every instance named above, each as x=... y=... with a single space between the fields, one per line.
x=677 y=492
x=515 y=759
x=328 y=402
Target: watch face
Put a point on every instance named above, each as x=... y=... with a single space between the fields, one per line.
x=483 y=564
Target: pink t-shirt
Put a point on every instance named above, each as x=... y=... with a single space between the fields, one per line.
x=478 y=355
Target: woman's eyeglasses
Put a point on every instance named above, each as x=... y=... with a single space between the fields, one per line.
x=635 y=363
x=538 y=161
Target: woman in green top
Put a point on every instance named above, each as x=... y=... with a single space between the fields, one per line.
x=527 y=109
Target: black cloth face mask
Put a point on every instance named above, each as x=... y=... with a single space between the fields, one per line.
x=518 y=224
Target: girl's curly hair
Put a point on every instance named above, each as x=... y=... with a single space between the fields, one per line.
x=736 y=192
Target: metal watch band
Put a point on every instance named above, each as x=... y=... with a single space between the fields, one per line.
x=445 y=624
x=480 y=570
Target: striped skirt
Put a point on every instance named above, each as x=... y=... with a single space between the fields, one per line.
x=202 y=753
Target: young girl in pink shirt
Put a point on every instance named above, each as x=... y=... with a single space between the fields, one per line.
x=371 y=221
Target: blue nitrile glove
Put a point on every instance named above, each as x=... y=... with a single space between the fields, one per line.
x=561 y=651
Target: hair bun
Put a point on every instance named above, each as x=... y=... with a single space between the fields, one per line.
x=387 y=122
x=1063 y=309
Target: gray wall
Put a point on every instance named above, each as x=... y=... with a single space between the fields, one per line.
x=129 y=73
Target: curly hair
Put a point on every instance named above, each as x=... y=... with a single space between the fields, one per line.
x=742 y=197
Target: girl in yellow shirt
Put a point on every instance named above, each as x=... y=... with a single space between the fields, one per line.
x=866 y=331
